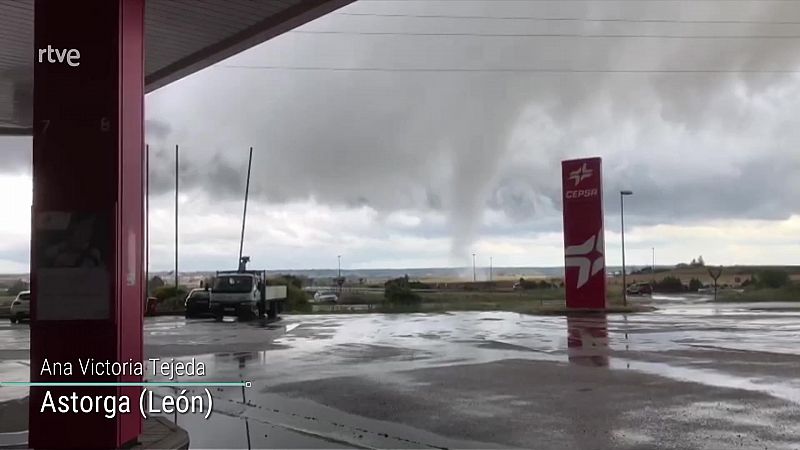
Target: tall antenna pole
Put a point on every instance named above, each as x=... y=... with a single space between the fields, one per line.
x=177 y=171
x=474 y=275
x=244 y=215
x=622 y=228
x=146 y=218
x=653 y=267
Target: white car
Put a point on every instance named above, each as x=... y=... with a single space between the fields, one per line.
x=21 y=307
x=325 y=297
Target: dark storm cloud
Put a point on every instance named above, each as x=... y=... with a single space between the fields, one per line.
x=766 y=189
x=16 y=154
x=692 y=146
x=157 y=130
x=213 y=172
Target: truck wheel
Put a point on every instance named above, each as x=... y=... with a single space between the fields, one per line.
x=245 y=313
x=261 y=309
x=272 y=313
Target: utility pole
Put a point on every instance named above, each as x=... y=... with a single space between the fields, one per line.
x=653 y=267
x=490 y=269
x=177 y=172
x=474 y=276
x=339 y=279
x=147 y=219
x=622 y=195
x=244 y=215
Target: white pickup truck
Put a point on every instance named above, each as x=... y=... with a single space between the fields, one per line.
x=245 y=295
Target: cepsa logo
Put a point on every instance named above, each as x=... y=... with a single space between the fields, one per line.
x=578 y=175
x=581 y=193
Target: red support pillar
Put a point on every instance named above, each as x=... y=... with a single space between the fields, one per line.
x=88 y=212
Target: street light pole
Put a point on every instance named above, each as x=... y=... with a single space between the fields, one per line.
x=147 y=218
x=339 y=280
x=244 y=214
x=622 y=195
x=653 y=266
x=474 y=277
x=177 y=177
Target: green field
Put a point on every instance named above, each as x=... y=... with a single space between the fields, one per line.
x=785 y=294
x=534 y=301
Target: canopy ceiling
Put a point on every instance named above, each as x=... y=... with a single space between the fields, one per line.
x=182 y=37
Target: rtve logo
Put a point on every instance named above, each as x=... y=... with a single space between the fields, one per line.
x=69 y=56
x=579 y=175
x=580 y=256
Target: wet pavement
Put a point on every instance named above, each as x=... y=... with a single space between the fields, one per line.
x=690 y=375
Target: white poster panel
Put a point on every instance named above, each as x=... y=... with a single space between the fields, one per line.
x=72 y=279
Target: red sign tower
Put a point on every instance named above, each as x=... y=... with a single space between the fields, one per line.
x=584 y=249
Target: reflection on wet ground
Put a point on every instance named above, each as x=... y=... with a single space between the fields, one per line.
x=690 y=375
x=587 y=340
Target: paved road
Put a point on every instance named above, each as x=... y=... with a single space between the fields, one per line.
x=691 y=375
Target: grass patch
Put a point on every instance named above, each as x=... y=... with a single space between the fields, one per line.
x=361 y=297
x=494 y=297
x=535 y=301
x=612 y=309
x=535 y=308
x=784 y=294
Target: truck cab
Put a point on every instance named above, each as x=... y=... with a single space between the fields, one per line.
x=244 y=293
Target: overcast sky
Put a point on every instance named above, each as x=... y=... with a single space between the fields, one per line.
x=448 y=141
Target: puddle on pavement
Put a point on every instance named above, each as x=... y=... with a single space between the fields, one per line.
x=319 y=346
x=265 y=420
x=14 y=370
x=225 y=431
x=588 y=341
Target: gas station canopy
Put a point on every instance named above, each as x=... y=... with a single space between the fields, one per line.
x=181 y=37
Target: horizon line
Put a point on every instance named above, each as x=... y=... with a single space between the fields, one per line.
x=334 y=269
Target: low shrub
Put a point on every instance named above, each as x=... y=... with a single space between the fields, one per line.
x=695 y=284
x=771 y=278
x=533 y=284
x=170 y=298
x=296 y=297
x=669 y=284
x=398 y=291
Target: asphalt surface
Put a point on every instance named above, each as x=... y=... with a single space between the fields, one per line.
x=689 y=376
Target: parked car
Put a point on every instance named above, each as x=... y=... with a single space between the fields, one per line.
x=197 y=303
x=325 y=297
x=21 y=307
x=640 y=289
